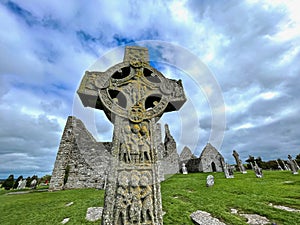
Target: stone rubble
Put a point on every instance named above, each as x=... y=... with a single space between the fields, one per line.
x=284 y=208
x=65 y=220
x=255 y=219
x=252 y=219
x=94 y=213
x=204 y=218
x=69 y=204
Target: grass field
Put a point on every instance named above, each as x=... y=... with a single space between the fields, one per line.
x=181 y=194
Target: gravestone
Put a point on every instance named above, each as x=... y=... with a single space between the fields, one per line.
x=284 y=165
x=133 y=96
x=279 y=167
x=33 y=184
x=258 y=171
x=184 y=169
x=292 y=165
x=22 y=184
x=210 y=181
x=239 y=162
x=296 y=164
x=19 y=184
x=228 y=171
x=252 y=167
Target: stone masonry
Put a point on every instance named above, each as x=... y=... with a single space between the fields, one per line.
x=210 y=160
x=82 y=162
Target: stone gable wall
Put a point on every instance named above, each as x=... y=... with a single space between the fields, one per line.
x=82 y=162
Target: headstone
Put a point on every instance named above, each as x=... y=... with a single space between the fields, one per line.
x=184 y=169
x=19 y=184
x=284 y=165
x=292 y=165
x=33 y=184
x=210 y=181
x=252 y=167
x=258 y=171
x=228 y=171
x=22 y=184
x=297 y=166
x=279 y=167
x=239 y=162
x=133 y=96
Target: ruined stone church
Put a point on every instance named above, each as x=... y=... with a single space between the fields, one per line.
x=210 y=160
x=82 y=162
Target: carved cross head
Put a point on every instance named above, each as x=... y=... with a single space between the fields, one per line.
x=132 y=89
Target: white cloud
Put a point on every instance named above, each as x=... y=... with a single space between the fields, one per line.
x=245 y=53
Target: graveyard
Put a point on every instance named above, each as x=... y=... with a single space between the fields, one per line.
x=182 y=194
x=130 y=181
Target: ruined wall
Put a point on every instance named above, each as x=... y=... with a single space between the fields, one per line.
x=82 y=162
x=210 y=160
x=186 y=155
x=170 y=160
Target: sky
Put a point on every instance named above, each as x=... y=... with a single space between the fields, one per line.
x=238 y=61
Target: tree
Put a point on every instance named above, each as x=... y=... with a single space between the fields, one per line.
x=28 y=180
x=249 y=161
x=17 y=182
x=9 y=182
x=298 y=159
x=45 y=179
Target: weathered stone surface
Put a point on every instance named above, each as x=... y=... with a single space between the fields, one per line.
x=94 y=156
x=210 y=160
x=239 y=162
x=204 y=218
x=293 y=165
x=169 y=160
x=69 y=204
x=22 y=184
x=134 y=96
x=279 y=166
x=65 y=220
x=184 y=169
x=185 y=155
x=257 y=170
x=228 y=171
x=285 y=208
x=210 y=181
x=94 y=213
x=255 y=219
x=81 y=161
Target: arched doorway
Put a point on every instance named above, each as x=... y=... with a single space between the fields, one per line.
x=213 y=167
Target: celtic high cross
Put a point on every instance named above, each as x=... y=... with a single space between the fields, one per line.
x=133 y=95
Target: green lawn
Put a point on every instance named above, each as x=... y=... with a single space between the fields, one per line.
x=181 y=194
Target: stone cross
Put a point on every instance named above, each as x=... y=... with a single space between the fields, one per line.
x=279 y=167
x=258 y=170
x=292 y=165
x=133 y=95
x=239 y=162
